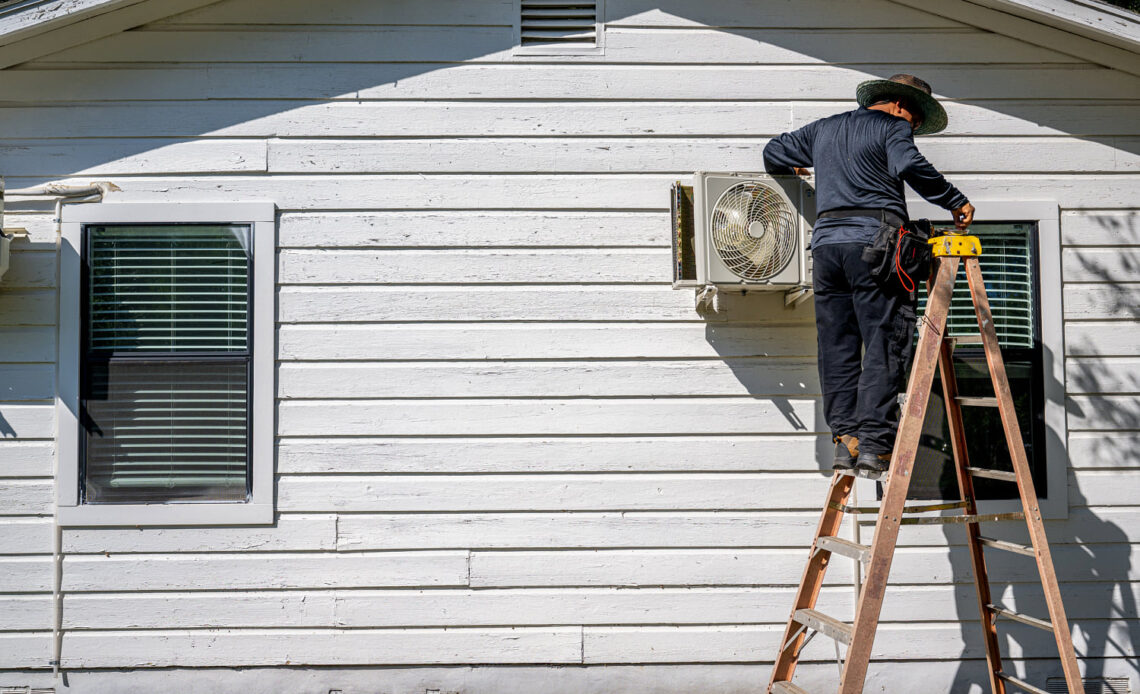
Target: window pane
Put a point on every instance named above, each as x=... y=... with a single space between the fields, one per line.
x=173 y=288
x=1007 y=266
x=160 y=431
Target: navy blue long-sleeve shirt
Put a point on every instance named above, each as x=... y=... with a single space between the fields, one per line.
x=861 y=159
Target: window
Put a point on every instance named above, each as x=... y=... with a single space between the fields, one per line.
x=1021 y=263
x=166 y=348
x=557 y=27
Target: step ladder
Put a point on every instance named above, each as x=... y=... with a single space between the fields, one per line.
x=934 y=351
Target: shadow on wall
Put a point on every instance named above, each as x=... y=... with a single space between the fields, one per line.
x=261 y=74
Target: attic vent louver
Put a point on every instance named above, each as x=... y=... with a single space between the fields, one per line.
x=557 y=23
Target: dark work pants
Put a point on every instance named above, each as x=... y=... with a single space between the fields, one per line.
x=866 y=342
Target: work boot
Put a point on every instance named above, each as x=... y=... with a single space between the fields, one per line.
x=873 y=462
x=846 y=452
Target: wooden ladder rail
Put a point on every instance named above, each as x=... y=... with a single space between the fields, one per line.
x=934 y=350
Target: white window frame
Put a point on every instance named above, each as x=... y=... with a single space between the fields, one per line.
x=1047 y=215
x=258 y=509
x=566 y=51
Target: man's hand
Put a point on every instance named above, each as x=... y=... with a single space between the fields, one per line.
x=963 y=216
x=800 y=171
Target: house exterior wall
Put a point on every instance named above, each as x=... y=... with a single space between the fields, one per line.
x=507 y=451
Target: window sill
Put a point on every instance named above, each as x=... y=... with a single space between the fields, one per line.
x=93 y=515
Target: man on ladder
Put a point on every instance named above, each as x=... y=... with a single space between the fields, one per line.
x=852 y=151
x=861 y=159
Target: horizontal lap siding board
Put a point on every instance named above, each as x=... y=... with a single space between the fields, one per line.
x=501 y=432
x=246 y=118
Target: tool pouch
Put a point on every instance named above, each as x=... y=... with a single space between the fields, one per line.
x=899 y=257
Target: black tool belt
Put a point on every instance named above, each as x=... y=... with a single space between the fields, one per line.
x=883 y=215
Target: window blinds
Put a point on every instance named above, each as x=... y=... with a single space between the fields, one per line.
x=1007 y=267
x=167 y=368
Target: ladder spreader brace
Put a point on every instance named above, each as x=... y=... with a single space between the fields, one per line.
x=935 y=350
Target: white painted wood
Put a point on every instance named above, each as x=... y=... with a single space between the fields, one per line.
x=558 y=155
x=26 y=574
x=412 y=81
x=1103 y=412
x=1106 y=487
x=989 y=117
x=890 y=677
x=329 y=647
x=747 y=643
x=553 y=303
x=1099 y=301
x=1102 y=338
x=1103 y=449
x=352 y=14
x=27 y=307
x=25 y=612
x=534 y=118
x=550 y=492
x=25 y=536
x=27 y=382
x=29 y=270
x=27 y=343
x=741 y=13
x=575 y=530
x=759 y=567
x=1103 y=375
x=552 y=340
x=823 y=46
x=25 y=650
x=1101 y=228
x=495 y=43
x=25 y=497
x=408 y=229
x=538 y=379
x=545 y=454
x=290 y=45
x=26 y=421
x=26 y=458
x=560 y=266
x=614 y=192
x=502 y=417
x=131 y=156
x=291 y=533
x=1109 y=265
x=255 y=570
x=200 y=610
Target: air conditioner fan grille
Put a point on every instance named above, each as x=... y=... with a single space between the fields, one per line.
x=754 y=230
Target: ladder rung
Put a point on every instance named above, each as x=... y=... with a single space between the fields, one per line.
x=992 y=474
x=976 y=402
x=965 y=339
x=865 y=474
x=924 y=508
x=968 y=518
x=838 y=545
x=1022 y=684
x=787 y=688
x=828 y=626
x=1014 y=547
x=1024 y=619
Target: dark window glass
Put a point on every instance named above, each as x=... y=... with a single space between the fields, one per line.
x=166 y=365
x=1008 y=262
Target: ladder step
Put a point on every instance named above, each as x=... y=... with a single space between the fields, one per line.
x=1027 y=550
x=965 y=340
x=838 y=545
x=1024 y=619
x=828 y=626
x=976 y=402
x=787 y=688
x=1021 y=684
x=968 y=518
x=992 y=474
x=865 y=474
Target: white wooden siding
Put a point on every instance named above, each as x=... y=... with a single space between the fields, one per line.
x=502 y=438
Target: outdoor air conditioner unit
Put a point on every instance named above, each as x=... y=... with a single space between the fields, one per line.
x=750 y=232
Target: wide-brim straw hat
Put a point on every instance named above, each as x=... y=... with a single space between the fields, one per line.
x=913 y=90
